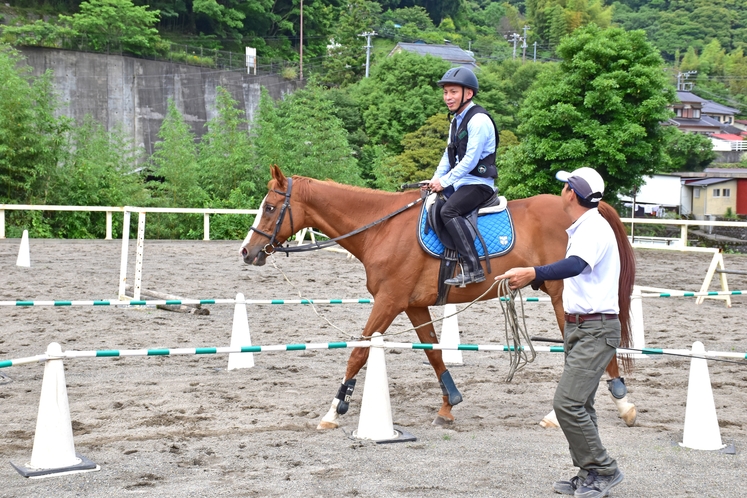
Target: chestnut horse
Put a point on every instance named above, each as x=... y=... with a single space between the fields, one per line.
x=402 y=277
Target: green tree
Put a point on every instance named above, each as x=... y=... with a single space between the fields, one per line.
x=687 y=151
x=174 y=164
x=399 y=96
x=224 y=21
x=302 y=135
x=602 y=107
x=690 y=60
x=423 y=150
x=116 y=23
x=98 y=170
x=552 y=19
x=347 y=57
x=735 y=68
x=32 y=139
x=225 y=156
x=711 y=61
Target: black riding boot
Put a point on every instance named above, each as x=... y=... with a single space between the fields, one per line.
x=463 y=235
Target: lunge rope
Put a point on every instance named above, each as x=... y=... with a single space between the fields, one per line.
x=515 y=330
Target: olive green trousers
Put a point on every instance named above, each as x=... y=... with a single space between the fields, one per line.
x=589 y=347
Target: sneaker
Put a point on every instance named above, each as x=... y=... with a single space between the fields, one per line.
x=568 y=487
x=597 y=486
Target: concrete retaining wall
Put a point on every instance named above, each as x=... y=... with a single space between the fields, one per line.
x=133 y=93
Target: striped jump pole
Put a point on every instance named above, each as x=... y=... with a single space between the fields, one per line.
x=175 y=302
x=122 y=353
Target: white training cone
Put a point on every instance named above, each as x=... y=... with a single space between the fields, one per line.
x=240 y=336
x=701 y=424
x=54 y=452
x=375 y=421
x=24 y=259
x=636 y=322
x=450 y=336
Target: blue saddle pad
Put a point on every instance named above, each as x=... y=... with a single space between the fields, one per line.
x=496 y=228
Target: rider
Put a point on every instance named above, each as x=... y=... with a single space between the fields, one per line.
x=466 y=174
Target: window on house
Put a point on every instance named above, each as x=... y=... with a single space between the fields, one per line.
x=726 y=192
x=678 y=111
x=717 y=192
x=696 y=113
x=696 y=193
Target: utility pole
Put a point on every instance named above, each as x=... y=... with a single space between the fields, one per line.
x=535 y=52
x=300 y=68
x=684 y=86
x=524 y=45
x=368 y=48
x=515 y=37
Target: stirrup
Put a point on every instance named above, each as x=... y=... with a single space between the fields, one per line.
x=463 y=279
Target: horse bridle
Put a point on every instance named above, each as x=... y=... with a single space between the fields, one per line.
x=271 y=246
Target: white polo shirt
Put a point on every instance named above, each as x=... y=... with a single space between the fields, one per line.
x=595 y=290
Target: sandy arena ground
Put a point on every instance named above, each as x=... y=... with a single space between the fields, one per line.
x=185 y=426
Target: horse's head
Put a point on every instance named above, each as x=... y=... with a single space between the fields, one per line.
x=274 y=223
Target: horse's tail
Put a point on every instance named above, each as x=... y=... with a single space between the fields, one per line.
x=627 y=277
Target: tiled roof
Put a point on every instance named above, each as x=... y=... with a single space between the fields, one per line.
x=702 y=121
x=727 y=136
x=715 y=108
x=705 y=181
x=689 y=97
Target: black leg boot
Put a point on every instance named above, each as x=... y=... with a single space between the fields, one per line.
x=463 y=235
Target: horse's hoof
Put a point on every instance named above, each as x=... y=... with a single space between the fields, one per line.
x=550 y=421
x=324 y=425
x=442 y=421
x=548 y=424
x=630 y=416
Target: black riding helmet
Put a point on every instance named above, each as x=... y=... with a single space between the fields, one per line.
x=460 y=76
x=463 y=77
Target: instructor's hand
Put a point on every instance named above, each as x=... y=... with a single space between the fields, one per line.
x=518 y=277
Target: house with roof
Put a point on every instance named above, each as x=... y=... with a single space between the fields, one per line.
x=721 y=113
x=700 y=194
x=450 y=53
x=713 y=191
x=689 y=116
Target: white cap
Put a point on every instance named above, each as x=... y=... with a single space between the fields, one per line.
x=586 y=182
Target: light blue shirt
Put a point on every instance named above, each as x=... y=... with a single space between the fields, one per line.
x=481 y=142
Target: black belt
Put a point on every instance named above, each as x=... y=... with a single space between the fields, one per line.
x=577 y=318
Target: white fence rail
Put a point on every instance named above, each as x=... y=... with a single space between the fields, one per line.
x=683 y=224
x=112 y=209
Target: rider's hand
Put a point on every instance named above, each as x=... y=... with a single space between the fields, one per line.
x=435 y=185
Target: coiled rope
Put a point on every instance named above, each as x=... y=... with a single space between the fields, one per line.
x=515 y=329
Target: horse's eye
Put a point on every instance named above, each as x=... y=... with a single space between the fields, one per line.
x=270 y=209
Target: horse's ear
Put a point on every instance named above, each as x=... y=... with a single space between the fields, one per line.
x=278 y=176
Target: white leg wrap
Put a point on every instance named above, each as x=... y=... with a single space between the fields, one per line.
x=550 y=421
x=626 y=410
x=329 y=421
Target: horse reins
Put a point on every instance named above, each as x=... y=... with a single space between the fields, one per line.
x=274 y=246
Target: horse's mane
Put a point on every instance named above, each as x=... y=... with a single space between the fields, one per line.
x=305 y=180
x=627 y=277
